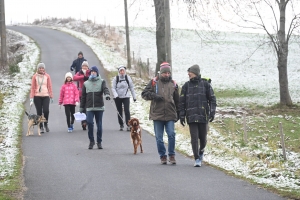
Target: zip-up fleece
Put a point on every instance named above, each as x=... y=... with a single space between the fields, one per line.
x=69 y=94
x=92 y=94
x=197 y=101
x=165 y=110
x=46 y=87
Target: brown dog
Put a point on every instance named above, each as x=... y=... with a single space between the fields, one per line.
x=135 y=134
x=34 y=120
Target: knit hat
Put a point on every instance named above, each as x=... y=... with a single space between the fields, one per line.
x=195 y=69
x=121 y=67
x=80 y=52
x=165 y=67
x=41 y=65
x=85 y=63
x=68 y=74
x=95 y=69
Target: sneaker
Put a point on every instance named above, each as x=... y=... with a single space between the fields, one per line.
x=47 y=128
x=99 y=146
x=172 y=159
x=72 y=126
x=42 y=129
x=70 y=130
x=91 y=145
x=163 y=160
x=121 y=127
x=128 y=128
x=197 y=163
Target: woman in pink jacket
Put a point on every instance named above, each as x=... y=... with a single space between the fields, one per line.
x=69 y=98
x=81 y=77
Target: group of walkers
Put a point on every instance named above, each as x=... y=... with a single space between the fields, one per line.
x=195 y=105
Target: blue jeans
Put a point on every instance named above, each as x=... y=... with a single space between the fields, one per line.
x=159 y=127
x=90 y=121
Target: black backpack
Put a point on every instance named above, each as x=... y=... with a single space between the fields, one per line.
x=118 y=81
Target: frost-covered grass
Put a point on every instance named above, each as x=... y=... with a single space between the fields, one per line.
x=238 y=84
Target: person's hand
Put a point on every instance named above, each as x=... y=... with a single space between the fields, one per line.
x=158 y=98
x=81 y=110
x=211 y=118
x=107 y=98
x=134 y=100
x=182 y=121
x=85 y=78
x=71 y=68
x=51 y=100
x=77 y=103
x=31 y=102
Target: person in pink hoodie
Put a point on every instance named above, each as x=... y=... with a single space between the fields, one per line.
x=69 y=98
x=81 y=77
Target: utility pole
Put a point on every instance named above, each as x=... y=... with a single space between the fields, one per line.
x=127 y=36
x=168 y=32
x=3 y=36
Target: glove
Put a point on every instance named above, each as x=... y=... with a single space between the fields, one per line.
x=134 y=100
x=182 y=121
x=31 y=102
x=71 y=68
x=81 y=110
x=158 y=98
x=51 y=100
x=77 y=103
x=85 y=78
x=211 y=118
x=107 y=98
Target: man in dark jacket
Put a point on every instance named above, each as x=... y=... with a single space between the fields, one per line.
x=77 y=63
x=93 y=91
x=164 y=96
x=198 y=106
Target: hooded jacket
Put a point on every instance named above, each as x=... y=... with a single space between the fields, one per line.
x=121 y=89
x=69 y=94
x=197 y=101
x=165 y=110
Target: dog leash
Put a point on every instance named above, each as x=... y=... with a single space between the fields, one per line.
x=117 y=110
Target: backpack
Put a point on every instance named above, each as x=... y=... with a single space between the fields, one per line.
x=206 y=79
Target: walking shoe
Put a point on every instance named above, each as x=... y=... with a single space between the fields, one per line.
x=99 y=146
x=72 y=126
x=42 y=129
x=47 y=128
x=128 y=128
x=163 y=160
x=70 y=130
x=121 y=127
x=91 y=145
x=172 y=159
x=197 y=163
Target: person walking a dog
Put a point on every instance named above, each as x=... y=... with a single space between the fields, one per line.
x=41 y=94
x=93 y=91
x=121 y=84
x=69 y=98
x=197 y=106
x=162 y=91
x=81 y=77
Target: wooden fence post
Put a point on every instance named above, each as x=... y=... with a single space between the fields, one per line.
x=282 y=140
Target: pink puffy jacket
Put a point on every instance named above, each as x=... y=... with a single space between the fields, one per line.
x=68 y=94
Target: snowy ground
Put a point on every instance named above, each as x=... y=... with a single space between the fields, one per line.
x=219 y=62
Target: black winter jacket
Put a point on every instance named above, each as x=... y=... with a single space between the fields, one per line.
x=77 y=64
x=197 y=101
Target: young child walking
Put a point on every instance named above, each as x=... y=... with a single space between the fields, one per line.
x=69 y=98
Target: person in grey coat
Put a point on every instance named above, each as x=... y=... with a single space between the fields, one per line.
x=197 y=104
x=122 y=86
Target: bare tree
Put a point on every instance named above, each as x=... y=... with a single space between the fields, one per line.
x=267 y=16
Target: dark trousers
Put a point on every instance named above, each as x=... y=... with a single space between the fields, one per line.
x=69 y=111
x=198 y=131
x=126 y=102
x=42 y=107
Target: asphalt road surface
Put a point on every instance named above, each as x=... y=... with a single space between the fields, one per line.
x=58 y=164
